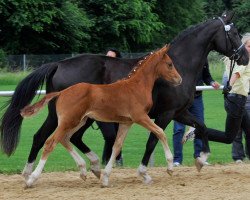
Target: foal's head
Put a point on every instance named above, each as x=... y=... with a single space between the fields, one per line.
x=166 y=68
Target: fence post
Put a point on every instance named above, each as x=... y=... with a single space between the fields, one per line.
x=24 y=62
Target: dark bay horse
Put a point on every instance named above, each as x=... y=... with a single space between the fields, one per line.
x=188 y=52
x=81 y=101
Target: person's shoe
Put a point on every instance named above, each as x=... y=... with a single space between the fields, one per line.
x=189 y=135
x=239 y=161
x=177 y=164
x=207 y=163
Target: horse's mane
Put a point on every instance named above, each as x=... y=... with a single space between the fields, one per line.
x=141 y=63
x=191 y=29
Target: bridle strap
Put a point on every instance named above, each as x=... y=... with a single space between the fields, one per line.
x=235 y=55
x=227 y=28
x=232 y=64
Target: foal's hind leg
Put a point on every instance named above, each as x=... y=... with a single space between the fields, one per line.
x=76 y=139
x=146 y=122
x=78 y=159
x=121 y=135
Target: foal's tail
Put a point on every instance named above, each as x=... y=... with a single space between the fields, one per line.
x=31 y=110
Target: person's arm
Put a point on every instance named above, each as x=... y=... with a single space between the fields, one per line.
x=207 y=78
x=233 y=78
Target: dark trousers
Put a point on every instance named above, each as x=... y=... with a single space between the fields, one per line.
x=238 y=152
x=109 y=132
x=235 y=108
x=197 y=109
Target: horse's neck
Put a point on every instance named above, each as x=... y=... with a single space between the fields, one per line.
x=190 y=53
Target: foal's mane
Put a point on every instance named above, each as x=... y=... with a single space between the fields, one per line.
x=191 y=29
x=142 y=63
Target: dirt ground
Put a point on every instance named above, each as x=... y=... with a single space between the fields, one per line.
x=214 y=182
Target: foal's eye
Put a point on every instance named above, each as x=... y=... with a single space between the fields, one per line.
x=170 y=65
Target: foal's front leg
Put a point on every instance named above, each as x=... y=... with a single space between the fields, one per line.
x=121 y=135
x=147 y=123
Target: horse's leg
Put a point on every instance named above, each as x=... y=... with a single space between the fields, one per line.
x=188 y=119
x=162 y=121
x=78 y=159
x=39 y=139
x=147 y=123
x=121 y=135
x=50 y=145
x=76 y=139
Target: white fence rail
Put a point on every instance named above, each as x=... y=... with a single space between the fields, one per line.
x=151 y=161
x=10 y=93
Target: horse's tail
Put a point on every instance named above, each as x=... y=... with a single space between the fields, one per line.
x=30 y=110
x=24 y=93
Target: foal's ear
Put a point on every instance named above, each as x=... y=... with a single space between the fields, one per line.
x=167 y=47
x=164 y=49
x=227 y=16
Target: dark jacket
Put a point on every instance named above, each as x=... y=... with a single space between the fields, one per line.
x=205 y=77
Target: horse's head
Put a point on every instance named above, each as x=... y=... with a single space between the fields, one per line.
x=166 y=68
x=227 y=40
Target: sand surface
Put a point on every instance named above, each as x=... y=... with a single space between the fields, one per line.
x=213 y=182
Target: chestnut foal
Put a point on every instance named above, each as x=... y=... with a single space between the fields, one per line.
x=127 y=101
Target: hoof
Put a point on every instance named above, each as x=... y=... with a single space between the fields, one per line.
x=25 y=175
x=83 y=177
x=170 y=172
x=95 y=169
x=148 y=180
x=199 y=164
x=105 y=180
x=27 y=187
x=29 y=181
x=96 y=173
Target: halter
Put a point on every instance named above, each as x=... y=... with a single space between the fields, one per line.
x=236 y=55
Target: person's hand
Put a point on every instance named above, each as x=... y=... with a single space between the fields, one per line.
x=226 y=89
x=215 y=85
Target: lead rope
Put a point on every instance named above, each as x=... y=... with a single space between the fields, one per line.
x=232 y=64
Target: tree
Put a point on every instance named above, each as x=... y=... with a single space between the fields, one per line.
x=214 y=8
x=242 y=12
x=38 y=26
x=177 y=15
x=127 y=25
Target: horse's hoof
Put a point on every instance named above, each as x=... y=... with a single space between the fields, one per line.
x=96 y=173
x=25 y=175
x=27 y=187
x=29 y=181
x=104 y=186
x=148 y=180
x=199 y=164
x=170 y=172
x=105 y=180
x=95 y=169
x=83 y=176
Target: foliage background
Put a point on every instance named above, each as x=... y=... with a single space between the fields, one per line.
x=68 y=26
